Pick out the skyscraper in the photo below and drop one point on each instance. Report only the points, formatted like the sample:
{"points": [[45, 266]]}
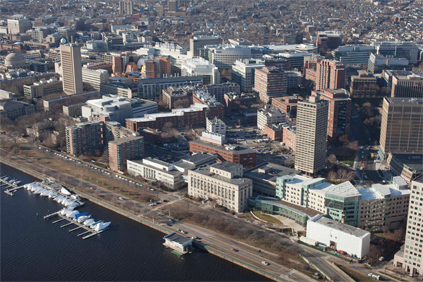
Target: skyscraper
{"points": [[410, 258], [125, 7], [70, 58], [312, 122]]}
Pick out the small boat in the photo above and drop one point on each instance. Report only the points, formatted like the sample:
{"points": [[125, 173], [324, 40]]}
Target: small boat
{"points": [[17, 183], [6, 178], [73, 205], [96, 223], [38, 191], [69, 212], [64, 211], [64, 191], [11, 181], [102, 226], [68, 202], [72, 214], [58, 198], [89, 222], [83, 218], [79, 215], [76, 197], [52, 195]]}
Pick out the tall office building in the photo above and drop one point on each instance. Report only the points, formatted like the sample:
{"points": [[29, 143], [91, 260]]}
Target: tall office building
{"points": [[243, 73], [125, 7], [407, 84], [173, 5], [410, 258], [70, 58], [312, 122], [324, 73], [270, 82], [401, 130]]}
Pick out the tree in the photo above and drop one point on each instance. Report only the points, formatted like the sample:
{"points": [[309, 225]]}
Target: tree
{"points": [[342, 174], [332, 158], [182, 103], [332, 175]]}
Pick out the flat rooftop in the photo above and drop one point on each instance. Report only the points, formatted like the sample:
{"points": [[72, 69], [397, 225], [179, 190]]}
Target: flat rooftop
{"points": [[414, 162], [174, 237], [236, 180], [126, 139], [269, 172], [404, 101], [238, 150], [298, 209], [357, 232]]}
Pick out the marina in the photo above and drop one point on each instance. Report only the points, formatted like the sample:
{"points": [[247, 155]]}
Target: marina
{"points": [[10, 185]]}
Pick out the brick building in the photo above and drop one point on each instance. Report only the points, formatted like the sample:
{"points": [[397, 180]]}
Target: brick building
{"points": [[270, 82], [124, 149]]}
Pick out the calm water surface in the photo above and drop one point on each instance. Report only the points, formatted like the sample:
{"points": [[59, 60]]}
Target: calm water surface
{"points": [[34, 249]]}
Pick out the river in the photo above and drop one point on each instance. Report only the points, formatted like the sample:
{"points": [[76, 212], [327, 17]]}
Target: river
{"points": [[34, 249]]}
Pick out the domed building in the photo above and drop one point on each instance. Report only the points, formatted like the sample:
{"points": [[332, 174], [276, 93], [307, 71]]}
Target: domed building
{"points": [[15, 60]]}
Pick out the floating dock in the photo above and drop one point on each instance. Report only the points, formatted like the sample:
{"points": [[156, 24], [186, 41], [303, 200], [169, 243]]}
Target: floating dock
{"points": [[9, 187], [88, 230]]}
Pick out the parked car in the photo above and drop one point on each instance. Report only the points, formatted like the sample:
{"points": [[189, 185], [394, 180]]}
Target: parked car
{"points": [[265, 263]]}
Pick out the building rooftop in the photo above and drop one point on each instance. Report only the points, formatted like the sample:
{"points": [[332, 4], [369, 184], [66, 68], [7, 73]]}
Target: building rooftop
{"points": [[228, 166], [232, 149], [125, 139], [269, 172], [357, 232], [235, 180], [344, 190], [295, 208], [174, 237], [405, 100]]}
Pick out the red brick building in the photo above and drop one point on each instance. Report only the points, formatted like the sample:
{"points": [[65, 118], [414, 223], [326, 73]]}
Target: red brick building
{"points": [[124, 149], [325, 74], [287, 105], [270, 82], [235, 154], [178, 118], [273, 132], [339, 112], [288, 137]]}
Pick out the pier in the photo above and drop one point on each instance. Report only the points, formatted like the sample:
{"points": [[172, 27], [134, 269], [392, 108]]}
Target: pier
{"points": [[9, 187], [89, 232]]}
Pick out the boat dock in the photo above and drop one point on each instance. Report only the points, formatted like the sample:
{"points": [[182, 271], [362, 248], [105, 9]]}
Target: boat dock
{"points": [[9, 187], [89, 232], [56, 187]]}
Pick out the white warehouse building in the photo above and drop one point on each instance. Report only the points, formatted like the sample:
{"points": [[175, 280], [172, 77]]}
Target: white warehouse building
{"points": [[342, 237]]}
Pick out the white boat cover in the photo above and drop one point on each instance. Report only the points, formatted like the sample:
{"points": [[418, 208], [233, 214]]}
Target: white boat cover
{"points": [[72, 214], [101, 226], [64, 191], [89, 222]]}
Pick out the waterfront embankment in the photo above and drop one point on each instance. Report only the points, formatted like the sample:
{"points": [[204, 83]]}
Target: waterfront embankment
{"points": [[138, 218]]}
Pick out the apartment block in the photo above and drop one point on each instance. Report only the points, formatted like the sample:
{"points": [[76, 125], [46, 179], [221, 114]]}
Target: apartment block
{"points": [[339, 112], [401, 130], [124, 149], [312, 121], [125, 7], [270, 82], [324, 73], [223, 182], [84, 138]]}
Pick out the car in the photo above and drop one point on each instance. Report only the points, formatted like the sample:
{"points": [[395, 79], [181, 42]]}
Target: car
{"points": [[235, 250], [165, 201], [265, 263], [121, 198], [168, 224]]}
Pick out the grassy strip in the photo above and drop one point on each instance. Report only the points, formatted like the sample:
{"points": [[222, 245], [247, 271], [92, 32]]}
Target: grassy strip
{"points": [[267, 218], [354, 274]]}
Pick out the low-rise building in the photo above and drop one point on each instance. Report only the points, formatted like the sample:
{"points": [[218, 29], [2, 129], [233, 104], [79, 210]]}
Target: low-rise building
{"points": [[66, 99], [287, 104], [73, 110], [223, 182], [153, 169], [178, 243], [268, 116], [14, 109], [338, 236], [123, 149], [218, 91], [171, 95], [43, 88], [408, 166], [151, 88], [216, 125], [363, 85], [235, 154], [201, 67], [289, 136]]}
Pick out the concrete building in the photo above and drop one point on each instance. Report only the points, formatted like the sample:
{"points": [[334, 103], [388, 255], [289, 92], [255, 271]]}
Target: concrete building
{"points": [[294, 79], [43, 88], [112, 107], [295, 60], [67, 99], [216, 125], [223, 182], [410, 258], [407, 84], [312, 121], [408, 166], [401, 128], [243, 73], [270, 82], [171, 95], [92, 79], [126, 7], [328, 40], [123, 149], [338, 236], [70, 58], [116, 88], [84, 138], [384, 206], [178, 243], [378, 63], [14, 109], [151, 88], [18, 25], [224, 56], [339, 112], [198, 42], [73, 110], [353, 54], [265, 176], [201, 67], [235, 154], [157, 170], [219, 90], [363, 85], [268, 116], [407, 50]]}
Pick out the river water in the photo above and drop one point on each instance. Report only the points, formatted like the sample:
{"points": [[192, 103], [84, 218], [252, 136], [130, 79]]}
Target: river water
{"points": [[34, 249]]}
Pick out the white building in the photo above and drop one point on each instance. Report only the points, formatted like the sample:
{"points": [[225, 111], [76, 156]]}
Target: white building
{"points": [[117, 108], [178, 243], [216, 125], [342, 237], [199, 66], [268, 116], [243, 73], [224, 56], [93, 78], [176, 53], [158, 170], [222, 182]]}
